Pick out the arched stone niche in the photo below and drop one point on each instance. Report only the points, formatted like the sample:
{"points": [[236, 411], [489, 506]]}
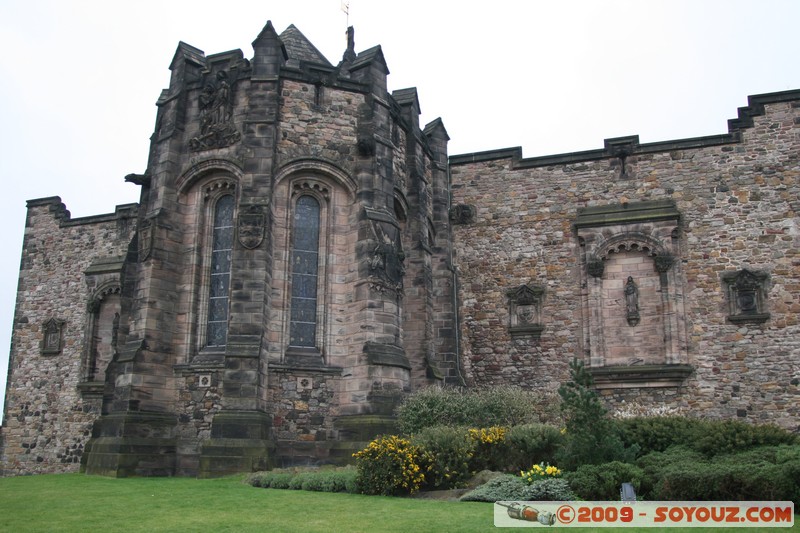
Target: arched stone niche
{"points": [[632, 294]]}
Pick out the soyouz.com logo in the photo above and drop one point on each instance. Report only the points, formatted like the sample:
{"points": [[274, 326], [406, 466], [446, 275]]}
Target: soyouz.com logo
{"points": [[643, 514]]}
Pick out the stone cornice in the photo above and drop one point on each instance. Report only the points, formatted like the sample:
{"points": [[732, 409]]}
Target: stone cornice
{"points": [[621, 377]]}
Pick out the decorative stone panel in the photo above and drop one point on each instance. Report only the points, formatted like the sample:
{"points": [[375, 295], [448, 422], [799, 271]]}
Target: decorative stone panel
{"points": [[632, 294], [525, 311], [747, 296], [462, 214], [52, 335]]}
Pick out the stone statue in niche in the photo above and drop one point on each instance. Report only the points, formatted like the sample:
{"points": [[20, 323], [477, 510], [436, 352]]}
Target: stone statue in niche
{"points": [[631, 302], [216, 116], [387, 261]]}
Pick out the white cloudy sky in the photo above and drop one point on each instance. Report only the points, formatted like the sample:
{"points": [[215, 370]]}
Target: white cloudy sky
{"points": [[79, 78]]}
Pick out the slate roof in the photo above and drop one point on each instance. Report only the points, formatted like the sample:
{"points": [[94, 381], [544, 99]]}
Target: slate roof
{"points": [[406, 96], [368, 56], [435, 123], [300, 48]]}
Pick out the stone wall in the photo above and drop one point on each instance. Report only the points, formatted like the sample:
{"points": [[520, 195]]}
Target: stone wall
{"points": [[426, 275], [48, 418], [303, 403], [737, 196]]}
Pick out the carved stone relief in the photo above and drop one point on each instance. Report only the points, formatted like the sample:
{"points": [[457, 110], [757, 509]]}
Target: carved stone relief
{"points": [[387, 261], [145, 240], [216, 115], [747, 295], [52, 336], [251, 225], [525, 311], [462, 214]]}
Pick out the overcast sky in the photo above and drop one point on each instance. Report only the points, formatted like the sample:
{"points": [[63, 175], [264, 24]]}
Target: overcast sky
{"points": [[79, 79]]}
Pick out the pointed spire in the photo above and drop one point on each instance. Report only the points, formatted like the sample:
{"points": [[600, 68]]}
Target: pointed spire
{"points": [[269, 53], [300, 49]]}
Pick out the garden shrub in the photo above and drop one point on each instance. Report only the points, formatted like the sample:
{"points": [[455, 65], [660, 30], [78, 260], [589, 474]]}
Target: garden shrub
{"points": [[325, 479], [778, 472], [763, 473], [331, 480], [280, 480], [497, 406], [728, 436], [725, 482], [591, 437], [550, 490], [508, 487], [532, 443], [657, 433], [271, 479], [449, 453], [711, 437], [505, 487], [655, 464], [390, 465], [491, 448], [603, 482], [297, 481], [256, 479]]}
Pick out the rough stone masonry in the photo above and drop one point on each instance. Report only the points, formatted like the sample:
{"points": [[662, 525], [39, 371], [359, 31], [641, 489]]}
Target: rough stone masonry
{"points": [[305, 254]]}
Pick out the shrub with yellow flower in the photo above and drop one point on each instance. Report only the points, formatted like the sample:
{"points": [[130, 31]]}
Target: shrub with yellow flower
{"points": [[491, 448], [390, 465], [541, 471]]}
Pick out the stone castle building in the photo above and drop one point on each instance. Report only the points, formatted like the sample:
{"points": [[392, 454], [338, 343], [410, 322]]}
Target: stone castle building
{"points": [[305, 253]]}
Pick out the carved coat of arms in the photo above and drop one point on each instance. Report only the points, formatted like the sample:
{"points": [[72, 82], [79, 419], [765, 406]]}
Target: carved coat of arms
{"points": [[252, 221], [145, 240]]}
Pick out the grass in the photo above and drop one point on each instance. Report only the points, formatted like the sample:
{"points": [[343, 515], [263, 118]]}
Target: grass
{"points": [[74, 502]]}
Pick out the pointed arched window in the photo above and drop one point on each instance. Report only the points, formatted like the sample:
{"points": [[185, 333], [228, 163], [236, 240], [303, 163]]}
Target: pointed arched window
{"points": [[220, 275], [305, 266]]}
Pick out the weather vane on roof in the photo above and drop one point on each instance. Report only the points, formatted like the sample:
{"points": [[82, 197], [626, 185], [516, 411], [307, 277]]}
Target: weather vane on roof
{"points": [[346, 9]]}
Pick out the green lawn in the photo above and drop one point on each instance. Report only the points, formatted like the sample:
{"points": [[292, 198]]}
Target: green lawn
{"points": [[74, 502]]}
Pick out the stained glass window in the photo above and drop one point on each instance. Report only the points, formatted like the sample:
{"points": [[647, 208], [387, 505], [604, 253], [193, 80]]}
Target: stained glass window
{"points": [[305, 264], [221, 245]]}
